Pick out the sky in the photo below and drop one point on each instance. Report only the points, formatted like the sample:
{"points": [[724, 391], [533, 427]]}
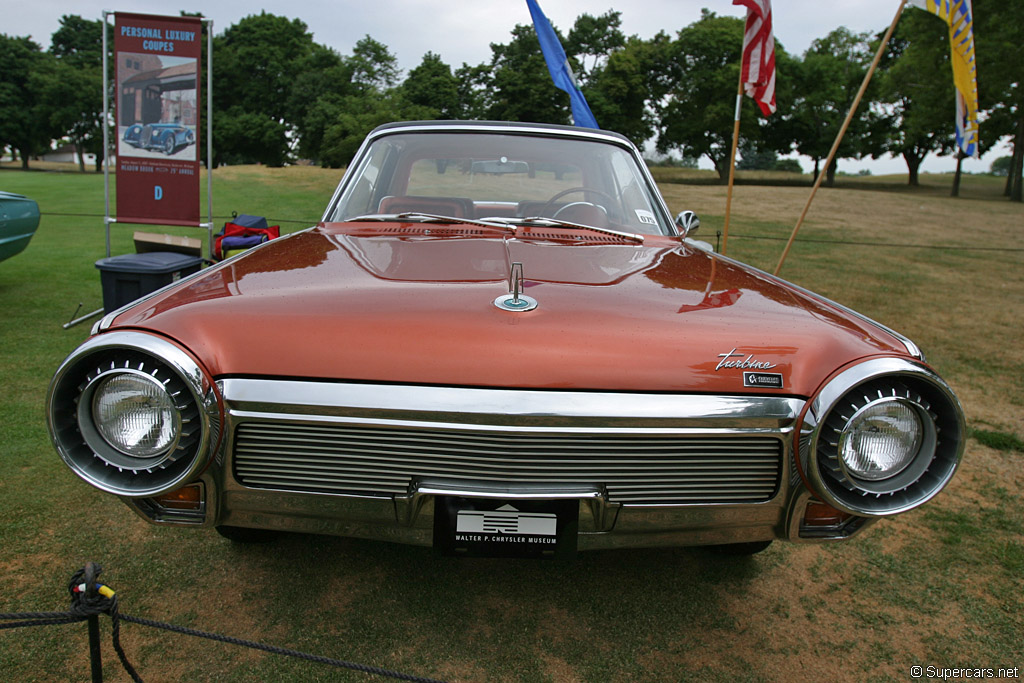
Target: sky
{"points": [[461, 31]]}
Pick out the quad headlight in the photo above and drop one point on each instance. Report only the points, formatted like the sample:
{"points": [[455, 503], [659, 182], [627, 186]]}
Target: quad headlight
{"points": [[133, 414], [882, 438]]}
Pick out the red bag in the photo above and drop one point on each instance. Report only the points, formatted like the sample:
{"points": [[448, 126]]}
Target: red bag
{"points": [[235, 236]]}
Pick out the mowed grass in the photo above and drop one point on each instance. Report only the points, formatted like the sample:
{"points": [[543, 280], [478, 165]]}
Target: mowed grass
{"points": [[940, 586]]}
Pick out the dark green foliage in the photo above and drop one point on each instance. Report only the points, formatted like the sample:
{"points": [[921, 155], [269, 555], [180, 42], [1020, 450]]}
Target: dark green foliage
{"points": [[1001, 166], [696, 100], [24, 71], [432, 85], [916, 91], [521, 88], [826, 82]]}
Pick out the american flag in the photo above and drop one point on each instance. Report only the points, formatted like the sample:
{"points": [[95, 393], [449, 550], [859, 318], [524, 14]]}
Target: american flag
{"points": [[759, 54]]}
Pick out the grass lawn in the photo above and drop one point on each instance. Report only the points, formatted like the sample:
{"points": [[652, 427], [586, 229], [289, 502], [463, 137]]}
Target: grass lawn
{"points": [[939, 586]]}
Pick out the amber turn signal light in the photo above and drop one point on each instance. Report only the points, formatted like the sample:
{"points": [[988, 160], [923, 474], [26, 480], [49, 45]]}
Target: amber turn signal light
{"points": [[818, 514], [186, 498]]}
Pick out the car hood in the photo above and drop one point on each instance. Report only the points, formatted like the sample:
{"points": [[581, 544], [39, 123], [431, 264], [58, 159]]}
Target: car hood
{"points": [[414, 303]]}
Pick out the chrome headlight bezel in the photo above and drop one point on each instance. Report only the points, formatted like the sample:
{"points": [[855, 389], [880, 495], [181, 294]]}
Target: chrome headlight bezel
{"points": [[105, 465], [847, 396]]}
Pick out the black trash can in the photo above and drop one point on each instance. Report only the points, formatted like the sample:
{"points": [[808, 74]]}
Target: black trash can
{"points": [[128, 277]]}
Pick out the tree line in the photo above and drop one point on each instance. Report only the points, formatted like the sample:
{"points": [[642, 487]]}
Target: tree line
{"points": [[279, 96]]}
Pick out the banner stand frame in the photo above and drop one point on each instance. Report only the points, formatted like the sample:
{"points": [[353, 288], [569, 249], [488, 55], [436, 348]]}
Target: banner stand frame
{"points": [[109, 220]]}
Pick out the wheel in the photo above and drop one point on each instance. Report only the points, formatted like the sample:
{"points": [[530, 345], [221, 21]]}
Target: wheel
{"points": [[241, 534], [169, 146], [551, 202], [739, 549]]}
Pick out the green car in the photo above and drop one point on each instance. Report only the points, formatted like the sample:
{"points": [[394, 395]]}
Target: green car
{"points": [[19, 218]]}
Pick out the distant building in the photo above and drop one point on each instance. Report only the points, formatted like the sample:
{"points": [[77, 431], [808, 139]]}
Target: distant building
{"points": [[157, 94], [65, 153]]}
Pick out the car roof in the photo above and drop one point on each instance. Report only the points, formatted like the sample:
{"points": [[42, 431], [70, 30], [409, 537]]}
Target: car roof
{"points": [[501, 127]]}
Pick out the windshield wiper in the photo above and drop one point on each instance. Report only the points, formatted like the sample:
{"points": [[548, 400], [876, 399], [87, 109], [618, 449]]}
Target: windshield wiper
{"points": [[417, 217], [555, 223]]}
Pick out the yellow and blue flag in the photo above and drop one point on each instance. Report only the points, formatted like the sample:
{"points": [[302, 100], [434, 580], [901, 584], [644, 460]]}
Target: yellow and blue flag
{"points": [[558, 67], [959, 15]]}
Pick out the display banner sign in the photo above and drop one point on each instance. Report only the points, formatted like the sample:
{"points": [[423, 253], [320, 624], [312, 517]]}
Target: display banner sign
{"points": [[157, 113]]}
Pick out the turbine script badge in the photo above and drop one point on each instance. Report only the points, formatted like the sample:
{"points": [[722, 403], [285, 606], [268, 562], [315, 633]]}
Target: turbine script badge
{"points": [[515, 300], [748, 363]]}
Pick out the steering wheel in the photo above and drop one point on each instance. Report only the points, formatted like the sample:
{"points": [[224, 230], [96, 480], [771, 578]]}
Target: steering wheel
{"points": [[559, 195]]}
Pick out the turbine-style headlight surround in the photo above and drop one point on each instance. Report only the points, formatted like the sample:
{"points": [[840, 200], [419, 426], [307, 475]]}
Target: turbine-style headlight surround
{"points": [[133, 414], [882, 437]]}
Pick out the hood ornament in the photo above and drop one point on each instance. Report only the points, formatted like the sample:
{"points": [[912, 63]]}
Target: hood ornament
{"points": [[515, 300]]}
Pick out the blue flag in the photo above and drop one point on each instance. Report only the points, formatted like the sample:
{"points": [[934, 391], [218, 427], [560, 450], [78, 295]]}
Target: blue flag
{"points": [[558, 65]]}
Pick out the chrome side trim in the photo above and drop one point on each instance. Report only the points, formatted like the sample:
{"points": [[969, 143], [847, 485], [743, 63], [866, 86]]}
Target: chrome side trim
{"points": [[453, 406]]}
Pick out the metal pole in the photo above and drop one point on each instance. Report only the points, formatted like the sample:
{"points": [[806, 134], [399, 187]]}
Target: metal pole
{"points": [[209, 139], [95, 653], [71, 323], [732, 159], [106, 138], [842, 132]]}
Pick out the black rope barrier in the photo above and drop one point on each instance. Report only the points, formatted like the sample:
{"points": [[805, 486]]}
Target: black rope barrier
{"points": [[90, 598]]}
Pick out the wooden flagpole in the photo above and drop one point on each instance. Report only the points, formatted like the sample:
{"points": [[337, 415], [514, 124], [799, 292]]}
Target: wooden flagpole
{"points": [[732, 159], [842, 132]]}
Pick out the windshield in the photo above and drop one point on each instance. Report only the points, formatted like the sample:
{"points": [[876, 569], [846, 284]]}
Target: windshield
{"points": [[474, 176]]}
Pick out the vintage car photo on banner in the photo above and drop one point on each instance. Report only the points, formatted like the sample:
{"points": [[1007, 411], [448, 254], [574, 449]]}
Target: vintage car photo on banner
{"points": [[157, 113], [498, 341]]}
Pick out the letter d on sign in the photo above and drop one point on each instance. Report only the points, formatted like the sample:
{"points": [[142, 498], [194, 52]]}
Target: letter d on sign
{"points": [[158, 192]]}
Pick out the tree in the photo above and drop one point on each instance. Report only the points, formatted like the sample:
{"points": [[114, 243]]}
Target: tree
{"points": [[755, 158], [474, 91], [373, 66], [826, 83], [359, 115], [1001, 166], [696, 114], [24, 123], [915, 95], [256, 63], [433, 86], [521, 87], [1000, 55], [73, 91], [621, 91], [316, 97], [594, 37]]}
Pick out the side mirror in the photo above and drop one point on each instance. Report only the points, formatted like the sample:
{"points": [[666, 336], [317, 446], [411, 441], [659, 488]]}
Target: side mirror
{"points": [[687, 222]]}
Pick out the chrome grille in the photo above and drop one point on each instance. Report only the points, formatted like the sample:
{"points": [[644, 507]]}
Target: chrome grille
{"points": [[634, 468]]}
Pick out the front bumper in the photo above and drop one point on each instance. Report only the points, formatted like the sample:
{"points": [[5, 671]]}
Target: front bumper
{"points": [[369, 461]]}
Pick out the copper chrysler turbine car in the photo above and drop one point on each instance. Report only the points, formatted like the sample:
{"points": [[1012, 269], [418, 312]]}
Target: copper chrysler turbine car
{"points": [[497, 341]]}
